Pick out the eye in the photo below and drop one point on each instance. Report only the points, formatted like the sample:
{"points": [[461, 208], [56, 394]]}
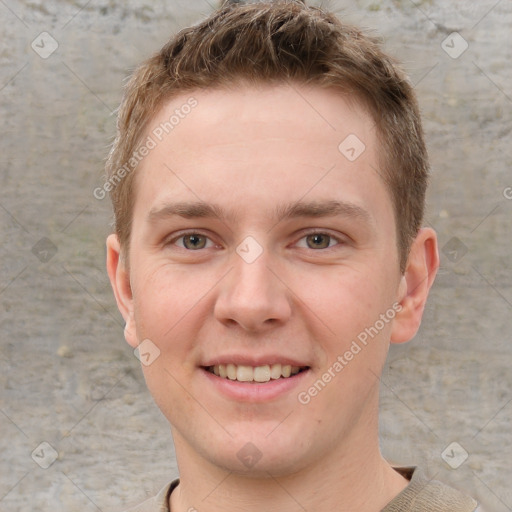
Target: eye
{"points": [[193, 241], [318, 240]]}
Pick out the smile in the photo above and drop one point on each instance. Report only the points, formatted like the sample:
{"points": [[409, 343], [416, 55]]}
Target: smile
{"points": [[260, 374]]}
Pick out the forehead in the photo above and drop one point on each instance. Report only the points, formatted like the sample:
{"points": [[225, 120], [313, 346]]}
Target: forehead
{"points": [[259, 144], [243, 110]]}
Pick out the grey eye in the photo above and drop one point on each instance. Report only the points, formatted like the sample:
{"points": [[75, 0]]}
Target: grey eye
{"points": [[318, 241], [194, 241]]}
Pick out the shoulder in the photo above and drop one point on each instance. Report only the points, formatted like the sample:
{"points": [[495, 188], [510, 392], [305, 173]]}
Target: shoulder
{"points": [[158, 503], [424, 494]]}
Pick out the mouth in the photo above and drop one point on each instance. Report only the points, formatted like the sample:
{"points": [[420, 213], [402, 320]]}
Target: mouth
{"points": [[255, 374]]}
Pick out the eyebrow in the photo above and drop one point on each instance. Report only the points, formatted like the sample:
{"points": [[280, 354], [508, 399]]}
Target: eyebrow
{"points": [[200, 209]]}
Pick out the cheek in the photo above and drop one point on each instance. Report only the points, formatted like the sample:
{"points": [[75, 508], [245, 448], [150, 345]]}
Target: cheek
{"points": [[347, 301], [165, 385], [354, 349], [350, 311], [166, 297], [167, 307]]}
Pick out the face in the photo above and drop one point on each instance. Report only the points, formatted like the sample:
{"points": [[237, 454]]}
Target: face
{"points": [[262, 251]]}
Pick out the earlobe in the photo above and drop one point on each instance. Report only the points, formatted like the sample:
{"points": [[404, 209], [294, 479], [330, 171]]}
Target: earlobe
{"points": [[120, 281], [130, 333], [421, 269]]}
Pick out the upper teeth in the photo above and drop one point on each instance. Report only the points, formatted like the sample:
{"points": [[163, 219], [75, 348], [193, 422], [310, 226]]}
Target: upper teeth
{"points": [[263, 373]]}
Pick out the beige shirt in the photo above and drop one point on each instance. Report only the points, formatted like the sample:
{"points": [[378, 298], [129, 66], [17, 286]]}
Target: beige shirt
{"points": [[421, 495]]}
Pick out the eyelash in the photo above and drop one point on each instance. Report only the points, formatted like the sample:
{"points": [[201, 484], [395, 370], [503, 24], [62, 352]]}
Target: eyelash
{"points": [[309, 233]]}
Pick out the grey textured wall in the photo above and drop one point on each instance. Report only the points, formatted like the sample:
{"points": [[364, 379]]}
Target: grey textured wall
{"points": [[67, 378]]}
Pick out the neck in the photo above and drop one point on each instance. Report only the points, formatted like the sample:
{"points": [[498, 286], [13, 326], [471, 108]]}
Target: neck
{"points": [[352, 476]]}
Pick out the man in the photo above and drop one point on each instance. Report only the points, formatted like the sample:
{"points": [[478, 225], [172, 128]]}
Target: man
{"points": [[268, 183]]}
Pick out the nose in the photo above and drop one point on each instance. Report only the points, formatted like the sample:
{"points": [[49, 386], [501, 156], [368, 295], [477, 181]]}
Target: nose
{"points": [[253, 296]]}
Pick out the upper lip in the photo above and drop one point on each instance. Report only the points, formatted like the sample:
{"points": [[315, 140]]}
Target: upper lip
{"points": [[246, 360]]}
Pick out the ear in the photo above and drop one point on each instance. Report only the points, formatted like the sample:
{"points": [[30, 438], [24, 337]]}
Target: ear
{"points": [[421, 269], [120, 281]]}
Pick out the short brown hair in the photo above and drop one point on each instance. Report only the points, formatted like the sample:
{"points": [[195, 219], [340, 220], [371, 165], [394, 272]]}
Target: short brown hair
{"points": [[280, 42]]}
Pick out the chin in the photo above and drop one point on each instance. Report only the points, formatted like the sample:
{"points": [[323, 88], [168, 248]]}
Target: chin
{"points": [[264, 456]]}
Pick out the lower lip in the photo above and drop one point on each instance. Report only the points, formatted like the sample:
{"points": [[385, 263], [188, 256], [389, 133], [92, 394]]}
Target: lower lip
{"points": [[255, 391]]}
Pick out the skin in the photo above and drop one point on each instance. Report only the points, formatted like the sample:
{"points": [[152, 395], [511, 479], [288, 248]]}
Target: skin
{"points": [[250, 150]]}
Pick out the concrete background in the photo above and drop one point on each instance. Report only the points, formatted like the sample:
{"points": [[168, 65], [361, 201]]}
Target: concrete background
{"points": [[67, 377]]}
